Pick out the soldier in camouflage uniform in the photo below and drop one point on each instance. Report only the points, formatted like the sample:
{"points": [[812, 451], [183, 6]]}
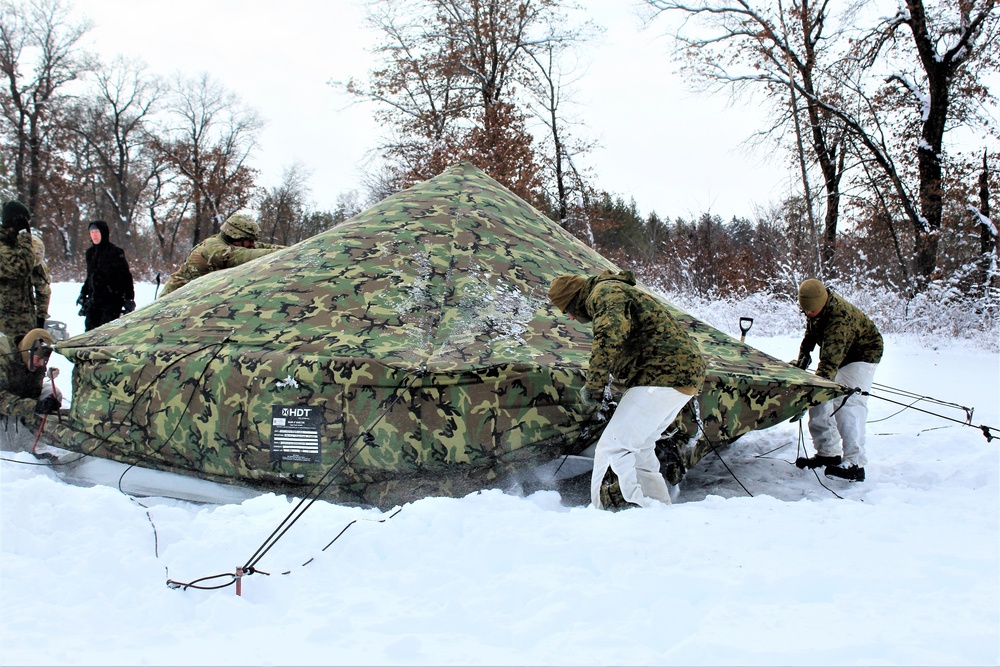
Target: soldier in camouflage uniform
{"points": [[850, 348], [235, 244], [26, 391], [637, 345], [17, 262], [41, 282]]}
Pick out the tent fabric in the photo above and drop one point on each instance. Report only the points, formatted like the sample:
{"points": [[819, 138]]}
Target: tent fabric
{"points": [[409, 351]]}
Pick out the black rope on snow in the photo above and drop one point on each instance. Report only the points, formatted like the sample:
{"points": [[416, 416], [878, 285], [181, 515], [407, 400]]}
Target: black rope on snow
{"points": [[733, 474], [149, 517], [894, 414], [299, 510], [696, 411], [308, 499], [920, 397], [801, 449], [344, 530], [767, 454], [194, 584], [987, 430]]}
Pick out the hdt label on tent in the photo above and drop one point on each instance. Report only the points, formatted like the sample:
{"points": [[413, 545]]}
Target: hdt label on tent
{"points": [[295, 434]]}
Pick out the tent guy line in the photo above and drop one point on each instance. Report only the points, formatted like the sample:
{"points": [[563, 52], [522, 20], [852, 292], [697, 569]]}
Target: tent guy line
{"points": [[986, 430], [316, 492]]}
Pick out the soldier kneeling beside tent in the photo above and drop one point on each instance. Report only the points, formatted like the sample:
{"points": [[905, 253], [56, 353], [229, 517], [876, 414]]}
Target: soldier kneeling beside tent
{"points": [[27, 391]]}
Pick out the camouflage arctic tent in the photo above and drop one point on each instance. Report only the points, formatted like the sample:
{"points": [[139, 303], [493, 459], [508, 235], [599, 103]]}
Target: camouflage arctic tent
{"points": [[412, 348]]}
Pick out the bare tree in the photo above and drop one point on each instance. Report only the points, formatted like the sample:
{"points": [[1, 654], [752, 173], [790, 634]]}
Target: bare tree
{"points": [[886, 119], [116, 126], [989, 239], [566, 184], [785, 50], [452, 84], [209, 143], [37, 36], [283, 208], [939, 58]]}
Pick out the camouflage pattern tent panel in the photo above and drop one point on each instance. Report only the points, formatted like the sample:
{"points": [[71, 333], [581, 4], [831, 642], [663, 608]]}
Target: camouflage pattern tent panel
{"points": [[412, 348]]}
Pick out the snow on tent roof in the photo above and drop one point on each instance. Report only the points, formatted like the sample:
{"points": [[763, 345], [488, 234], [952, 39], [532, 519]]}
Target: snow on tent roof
{"points": [[412, 348]]}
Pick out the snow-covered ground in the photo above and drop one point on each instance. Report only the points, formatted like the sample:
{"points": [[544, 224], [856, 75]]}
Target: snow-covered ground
{"points": [[903, 569]]}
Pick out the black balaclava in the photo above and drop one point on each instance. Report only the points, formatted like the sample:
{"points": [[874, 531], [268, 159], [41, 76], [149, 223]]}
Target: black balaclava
{"points": [[102, 227]]}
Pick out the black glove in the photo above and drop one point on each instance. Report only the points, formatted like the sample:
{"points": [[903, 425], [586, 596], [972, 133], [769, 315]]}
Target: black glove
{"points": [[802, 362], [39, 322], [128, 307], [84, 302], [48, 405]]}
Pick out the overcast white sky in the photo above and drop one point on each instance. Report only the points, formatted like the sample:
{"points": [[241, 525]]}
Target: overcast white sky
{"points": [[675, 153]]}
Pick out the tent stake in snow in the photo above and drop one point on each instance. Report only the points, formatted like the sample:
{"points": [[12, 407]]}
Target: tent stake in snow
{"points": [[745, 324]]}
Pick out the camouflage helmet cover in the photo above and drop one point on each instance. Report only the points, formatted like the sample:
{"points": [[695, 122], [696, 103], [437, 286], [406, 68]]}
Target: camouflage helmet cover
{"points": [[240, 227]]}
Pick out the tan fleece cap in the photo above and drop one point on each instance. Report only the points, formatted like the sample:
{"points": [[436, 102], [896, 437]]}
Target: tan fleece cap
{"points": [[812, 295], [564, 289]]}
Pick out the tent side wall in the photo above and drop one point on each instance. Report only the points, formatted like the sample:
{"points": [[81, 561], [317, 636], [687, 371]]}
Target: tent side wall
{"points": [[391, 434]]}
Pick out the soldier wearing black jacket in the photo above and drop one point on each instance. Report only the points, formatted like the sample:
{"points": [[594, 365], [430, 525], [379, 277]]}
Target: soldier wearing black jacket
{"points": [[108, 291]]}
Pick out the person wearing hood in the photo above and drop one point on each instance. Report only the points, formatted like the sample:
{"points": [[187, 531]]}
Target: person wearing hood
{"points": [[850, 349], [26, 387], [18, 312], [638, 346], [235, 244], [108, 292]]}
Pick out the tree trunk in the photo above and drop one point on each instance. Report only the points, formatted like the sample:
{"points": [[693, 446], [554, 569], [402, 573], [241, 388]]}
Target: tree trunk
{"points": [[939, 72], [989, 240]]}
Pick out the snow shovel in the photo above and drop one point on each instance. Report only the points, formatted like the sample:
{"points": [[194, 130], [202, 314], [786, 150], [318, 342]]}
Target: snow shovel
{"points": [[745, 324]]}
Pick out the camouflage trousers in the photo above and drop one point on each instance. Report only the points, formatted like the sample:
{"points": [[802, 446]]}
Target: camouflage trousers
{"points": [[626, 470]]}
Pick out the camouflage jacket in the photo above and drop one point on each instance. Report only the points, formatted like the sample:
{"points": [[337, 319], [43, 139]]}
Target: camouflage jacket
{"points": [[41, 282], [17, 301], [844, 335], [213, 254], [19, 387], [636, 340]]}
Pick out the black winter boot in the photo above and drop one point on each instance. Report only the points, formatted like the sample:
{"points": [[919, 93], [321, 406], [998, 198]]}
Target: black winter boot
{"points": [[850, 473], [817, 461]]}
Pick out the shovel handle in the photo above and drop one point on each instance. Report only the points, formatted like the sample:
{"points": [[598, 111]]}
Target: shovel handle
{"points": [[745, 324]]}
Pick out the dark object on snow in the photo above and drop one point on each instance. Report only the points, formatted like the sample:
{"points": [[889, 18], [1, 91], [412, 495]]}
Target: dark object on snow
{"points": [[817, 461], [850, 473]]}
